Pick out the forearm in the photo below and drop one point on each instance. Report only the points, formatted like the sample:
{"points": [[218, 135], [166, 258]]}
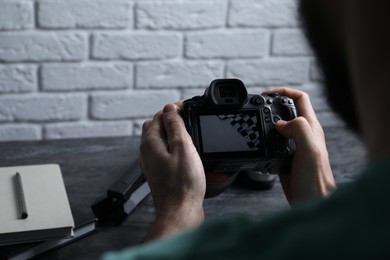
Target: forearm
{"points": [[172, 220], [325, 182]]}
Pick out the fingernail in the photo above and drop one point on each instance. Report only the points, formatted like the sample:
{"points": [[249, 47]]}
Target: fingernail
{"points": [[281, 123], [170, 108]]}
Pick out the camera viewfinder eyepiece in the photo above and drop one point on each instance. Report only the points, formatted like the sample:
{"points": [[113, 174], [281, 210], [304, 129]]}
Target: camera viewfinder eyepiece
{"points": [[227, 93]]}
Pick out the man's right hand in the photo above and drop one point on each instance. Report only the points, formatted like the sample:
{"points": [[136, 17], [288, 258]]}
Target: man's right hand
{"points": [[311, 174]]}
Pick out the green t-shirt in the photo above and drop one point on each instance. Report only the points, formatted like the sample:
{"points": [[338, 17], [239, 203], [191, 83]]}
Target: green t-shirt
{"points": [[353, 223]]}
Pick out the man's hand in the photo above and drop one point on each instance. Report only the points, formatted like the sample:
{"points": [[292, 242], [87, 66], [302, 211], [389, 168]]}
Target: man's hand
{"points": [[174, 171], [311, 175]]}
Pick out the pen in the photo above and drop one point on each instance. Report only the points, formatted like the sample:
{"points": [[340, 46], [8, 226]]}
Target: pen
{"points": [[21, 198]]}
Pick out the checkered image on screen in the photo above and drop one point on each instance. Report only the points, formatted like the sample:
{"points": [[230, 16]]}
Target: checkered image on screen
{"points": [[230, 132]]}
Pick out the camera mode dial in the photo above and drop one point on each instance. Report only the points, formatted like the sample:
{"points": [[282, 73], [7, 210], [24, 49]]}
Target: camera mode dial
{"points": [[257, 100]]}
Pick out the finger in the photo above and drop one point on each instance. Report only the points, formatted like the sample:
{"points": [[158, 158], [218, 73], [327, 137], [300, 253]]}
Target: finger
{"points": [[177, 136], [153, 136], [179, 103], [141, 162], [159, 113], [146, 125], [297, 129], [301, 100]]}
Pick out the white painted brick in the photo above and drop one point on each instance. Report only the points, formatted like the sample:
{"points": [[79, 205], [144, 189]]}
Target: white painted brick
{"points": [[269, 72], [288, 42], [266, 13], [138, 126], [257, 89], [130, 104], [19, 132], [137, 45], [88, 129], [43, 107], [84, 14], [16, 15], [227, 44], [189, 93], [18, 78], [87, 76], [177, 74], [181, 15], [42, 46]]}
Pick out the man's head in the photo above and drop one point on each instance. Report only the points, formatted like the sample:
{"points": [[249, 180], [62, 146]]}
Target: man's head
{"points": [[351, 40], [323, 25]]}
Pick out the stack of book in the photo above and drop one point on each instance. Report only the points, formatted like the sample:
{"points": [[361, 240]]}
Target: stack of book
{"points": [[35, 213]]}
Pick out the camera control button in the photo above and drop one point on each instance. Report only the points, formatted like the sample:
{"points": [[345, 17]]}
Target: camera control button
{"points": [[276, 119], [267, 119], [282, 152], [269, 101], [257, 100], [290, 101], [267, 110], [285, 151]]}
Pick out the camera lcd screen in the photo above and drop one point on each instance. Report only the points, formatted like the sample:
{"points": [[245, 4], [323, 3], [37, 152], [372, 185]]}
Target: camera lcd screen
{"points": [[234, 132]]}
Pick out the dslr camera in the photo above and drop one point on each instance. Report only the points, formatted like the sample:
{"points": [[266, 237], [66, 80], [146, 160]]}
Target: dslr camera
{"points": [[235, 131]]}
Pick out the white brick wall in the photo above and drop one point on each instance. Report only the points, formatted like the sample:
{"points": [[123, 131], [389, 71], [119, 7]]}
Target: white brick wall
{"points": [[268, 71], [42, 107], [15, 15], [177, 74], [136, 45], [18, 78], [84, 76], [226, 44], [181, 15], [41, 46], [88, 68], [114, 14]]}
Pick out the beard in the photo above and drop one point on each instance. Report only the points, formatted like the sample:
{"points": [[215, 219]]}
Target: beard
{"points": [[324, 36]]}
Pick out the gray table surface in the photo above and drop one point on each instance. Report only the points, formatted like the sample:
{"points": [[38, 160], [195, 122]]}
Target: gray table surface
{"points": [[89, 166]]}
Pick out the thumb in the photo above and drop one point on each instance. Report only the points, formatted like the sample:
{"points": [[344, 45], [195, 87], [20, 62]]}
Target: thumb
{"points": [[177, 136], [297, 129]]}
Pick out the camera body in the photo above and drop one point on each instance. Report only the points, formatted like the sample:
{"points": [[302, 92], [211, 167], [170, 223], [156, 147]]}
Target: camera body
{"points": [[234, 131]]}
